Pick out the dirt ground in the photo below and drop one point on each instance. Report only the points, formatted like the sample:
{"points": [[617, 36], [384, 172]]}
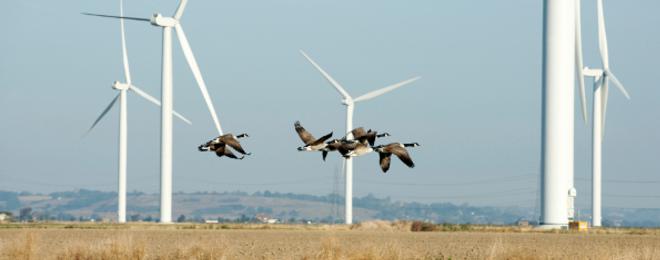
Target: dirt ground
{"points": [[330, 243]]}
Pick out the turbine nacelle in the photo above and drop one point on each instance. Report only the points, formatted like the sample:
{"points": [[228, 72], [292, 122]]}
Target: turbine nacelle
{"points": [[589, 72], [120, 86], [162, 21], [347, 102]]}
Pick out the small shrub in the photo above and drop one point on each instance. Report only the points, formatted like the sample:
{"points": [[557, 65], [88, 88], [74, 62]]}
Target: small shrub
{"points": [[418, 226], [465, 227]]}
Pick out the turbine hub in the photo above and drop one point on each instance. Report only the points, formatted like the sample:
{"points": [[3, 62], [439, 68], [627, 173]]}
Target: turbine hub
{"points": [[120, 86], [160, 20], [589, 72], [347, 102]]}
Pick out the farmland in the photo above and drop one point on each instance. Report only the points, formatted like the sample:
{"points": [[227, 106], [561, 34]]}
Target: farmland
{"points": [[370, 240]]}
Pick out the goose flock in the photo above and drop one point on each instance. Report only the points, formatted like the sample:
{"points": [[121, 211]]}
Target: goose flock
{"points": [[356, 143]]}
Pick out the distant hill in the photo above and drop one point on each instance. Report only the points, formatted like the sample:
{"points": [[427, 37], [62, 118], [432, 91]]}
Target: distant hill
{"points": [[287, 207]]}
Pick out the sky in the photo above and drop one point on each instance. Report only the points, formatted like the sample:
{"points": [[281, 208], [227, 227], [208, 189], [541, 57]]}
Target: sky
{"points": [[476, 111]]}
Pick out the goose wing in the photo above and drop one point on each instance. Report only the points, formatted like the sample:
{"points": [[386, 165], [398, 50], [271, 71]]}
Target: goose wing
{"points": [[305, 136], [346, 147], [321, 140], [215, 140], [222, 150], [233, 142], [385, 159], [371, 137], [403, 155], [333, 146], [358, 133]]}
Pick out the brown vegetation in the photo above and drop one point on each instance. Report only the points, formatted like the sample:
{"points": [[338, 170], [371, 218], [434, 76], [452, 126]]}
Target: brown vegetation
{"points": [[422, 226], [367, 240]]}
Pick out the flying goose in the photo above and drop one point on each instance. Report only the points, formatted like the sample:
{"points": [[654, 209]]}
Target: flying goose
{"points": [[366, 136], [311, 143], [232, 141], [398, 149], [354, 148], [220, 150], [220, 143]]}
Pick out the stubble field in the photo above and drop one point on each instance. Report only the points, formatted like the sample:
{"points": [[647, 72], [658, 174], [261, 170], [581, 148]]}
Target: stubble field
{"points": [[195, 241]]}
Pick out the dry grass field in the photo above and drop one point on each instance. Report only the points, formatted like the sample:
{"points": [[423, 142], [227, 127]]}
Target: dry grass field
{"points": [[375, 240]]}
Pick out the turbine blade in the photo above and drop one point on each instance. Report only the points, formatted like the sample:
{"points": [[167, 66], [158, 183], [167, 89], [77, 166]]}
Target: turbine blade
{"points": [[180, 116], [119, 17], [384, 90], [579, 61], [180, 9], [617, 83], [152, 99], [105, 111], [124, 52], [192, 63], [602, 36], [604, 94], [327, 76]]}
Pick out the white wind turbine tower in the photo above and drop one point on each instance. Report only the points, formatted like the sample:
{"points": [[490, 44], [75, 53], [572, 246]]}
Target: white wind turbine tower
{"points": [[558, 111], [572, 193], [167, 23], [123, 120], [602, 78], [349, 102]]}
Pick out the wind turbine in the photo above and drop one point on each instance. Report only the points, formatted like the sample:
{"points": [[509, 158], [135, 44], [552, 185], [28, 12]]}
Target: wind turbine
{"points": [[167, 23], [579, 63], [349, 102], [558, 113], [602, 77], [123, 120]]}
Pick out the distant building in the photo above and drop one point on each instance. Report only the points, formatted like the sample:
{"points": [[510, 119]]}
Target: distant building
{"points": [[211, 221], [522, 223], [266, 219], [5, 217]]}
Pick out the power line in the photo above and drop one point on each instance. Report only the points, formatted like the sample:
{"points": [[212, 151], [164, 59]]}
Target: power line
{"points": [[624, 181], [301, 181], [39, 183], [633, 196], [515, 192], [525, 177]]}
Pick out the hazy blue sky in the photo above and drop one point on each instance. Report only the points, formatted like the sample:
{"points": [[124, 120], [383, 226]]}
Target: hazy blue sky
{"points": [[476, 111]]}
